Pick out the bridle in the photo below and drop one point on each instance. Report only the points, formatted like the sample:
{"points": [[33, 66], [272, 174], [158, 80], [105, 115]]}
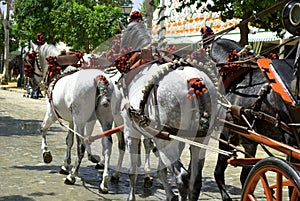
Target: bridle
{"points": [[31, 59]]}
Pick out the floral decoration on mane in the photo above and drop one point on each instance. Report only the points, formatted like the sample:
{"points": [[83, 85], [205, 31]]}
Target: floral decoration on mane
{"points": [[135, 16]]}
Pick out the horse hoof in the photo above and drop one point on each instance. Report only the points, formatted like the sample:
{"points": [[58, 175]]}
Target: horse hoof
{"points": [[64, 171], [99, 166], [103, 190], [114, 178], [94, 158], [148, 182], [175, 198], [70, 181], [47, 157], [155, 151]]}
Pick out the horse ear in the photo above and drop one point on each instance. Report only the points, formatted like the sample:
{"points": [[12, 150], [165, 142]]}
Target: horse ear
{"points": [[121, 26], [32, 45]]}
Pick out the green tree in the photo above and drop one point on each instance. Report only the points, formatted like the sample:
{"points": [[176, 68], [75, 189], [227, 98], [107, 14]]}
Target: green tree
{"points": [[83, 27], [82, 24], [243, 10], [32, 17], [5, 19]]}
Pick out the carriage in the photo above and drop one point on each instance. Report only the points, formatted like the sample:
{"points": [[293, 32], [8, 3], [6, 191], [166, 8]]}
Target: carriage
{"points": [[271, 178]]}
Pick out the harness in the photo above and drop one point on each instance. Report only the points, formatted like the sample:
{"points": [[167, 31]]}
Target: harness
{"points": [[56, 64], [29, 64], [171, 63]]}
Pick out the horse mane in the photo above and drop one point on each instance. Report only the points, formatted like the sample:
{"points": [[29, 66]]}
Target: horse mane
{"points": [[135, 36], [220, 48], [49, 49]]}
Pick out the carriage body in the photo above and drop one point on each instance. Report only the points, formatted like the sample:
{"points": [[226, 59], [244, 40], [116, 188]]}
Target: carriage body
{"points": [[274, 178]]}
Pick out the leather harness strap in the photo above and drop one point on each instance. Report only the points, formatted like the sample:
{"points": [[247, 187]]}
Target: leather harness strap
{"points": [[237, 112]]}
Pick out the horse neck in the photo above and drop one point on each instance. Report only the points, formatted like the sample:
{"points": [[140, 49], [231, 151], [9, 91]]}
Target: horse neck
{"points": [[136, 36], [45, 51]]}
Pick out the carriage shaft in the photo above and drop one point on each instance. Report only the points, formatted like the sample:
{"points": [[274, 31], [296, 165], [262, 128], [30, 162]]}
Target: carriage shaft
{"points": [[279, 146]]}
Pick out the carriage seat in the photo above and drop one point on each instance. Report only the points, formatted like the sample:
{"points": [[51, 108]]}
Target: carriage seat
{"points": [[279, 73]]}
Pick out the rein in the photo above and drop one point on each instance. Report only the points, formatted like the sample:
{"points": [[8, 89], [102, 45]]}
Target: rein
{"points": [[57, 116]]}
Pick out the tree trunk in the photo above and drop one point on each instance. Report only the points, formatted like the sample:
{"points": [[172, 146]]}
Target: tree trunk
{"points": [[5, 22], [149, 9], [162, 28], [6, 76], [244, 30]]}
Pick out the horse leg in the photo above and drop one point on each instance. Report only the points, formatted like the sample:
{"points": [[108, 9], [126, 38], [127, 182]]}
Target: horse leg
{"points": [[251, 148], [220, 169], [121, 146], [132, 144], [64, 169], [48, 121], [162, 175], [182, 179], [148, 145], [71, 178], [195, 169], [106, 152], [89, 127]]}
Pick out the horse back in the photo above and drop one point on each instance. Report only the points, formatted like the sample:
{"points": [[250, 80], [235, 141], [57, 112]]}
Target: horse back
{"points": [[75, 94]]}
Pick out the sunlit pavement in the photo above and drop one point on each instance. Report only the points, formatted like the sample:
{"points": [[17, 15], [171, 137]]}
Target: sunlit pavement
{"points": [[25, 177]]}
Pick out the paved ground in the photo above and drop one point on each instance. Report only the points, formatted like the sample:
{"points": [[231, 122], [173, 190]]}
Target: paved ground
{"points": [[25, 177]]}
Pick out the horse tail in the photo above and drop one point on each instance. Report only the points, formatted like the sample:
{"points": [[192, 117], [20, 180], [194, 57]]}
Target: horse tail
{"points": [[102, 92]]}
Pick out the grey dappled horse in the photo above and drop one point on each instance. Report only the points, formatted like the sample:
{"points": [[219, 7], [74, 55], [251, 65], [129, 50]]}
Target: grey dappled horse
{"points": [[245, 91], [79, 99], [168, 107]]}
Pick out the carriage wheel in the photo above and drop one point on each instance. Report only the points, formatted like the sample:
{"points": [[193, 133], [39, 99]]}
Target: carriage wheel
{"points": [[272, 179]]}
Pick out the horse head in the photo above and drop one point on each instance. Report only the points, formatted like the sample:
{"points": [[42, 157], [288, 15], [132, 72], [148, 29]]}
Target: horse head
{"points": [[35, 65], [220, 47]]}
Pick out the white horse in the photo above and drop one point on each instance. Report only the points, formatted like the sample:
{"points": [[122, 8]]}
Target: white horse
{"points": [[100, 61], [157, 97], [79, 100]]}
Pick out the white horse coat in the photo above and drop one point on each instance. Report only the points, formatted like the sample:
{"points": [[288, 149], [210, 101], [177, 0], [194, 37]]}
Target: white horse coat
{"points": [[176, 110], [75, 100], [168, 107]]}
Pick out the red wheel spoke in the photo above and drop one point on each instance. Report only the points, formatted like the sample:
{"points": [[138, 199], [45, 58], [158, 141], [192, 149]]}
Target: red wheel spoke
{"points": [[266, 187], [278, 180], [279, 186], [295, 195], [251, 197]]}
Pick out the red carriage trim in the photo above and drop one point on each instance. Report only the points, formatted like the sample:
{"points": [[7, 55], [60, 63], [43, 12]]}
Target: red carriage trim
{"points": [[57, 63], [275, 81], [197, 87]]}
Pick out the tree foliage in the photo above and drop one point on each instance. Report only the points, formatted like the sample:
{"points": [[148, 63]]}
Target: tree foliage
{"points": [[32, 17], [83, 24], [243, 9]]}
